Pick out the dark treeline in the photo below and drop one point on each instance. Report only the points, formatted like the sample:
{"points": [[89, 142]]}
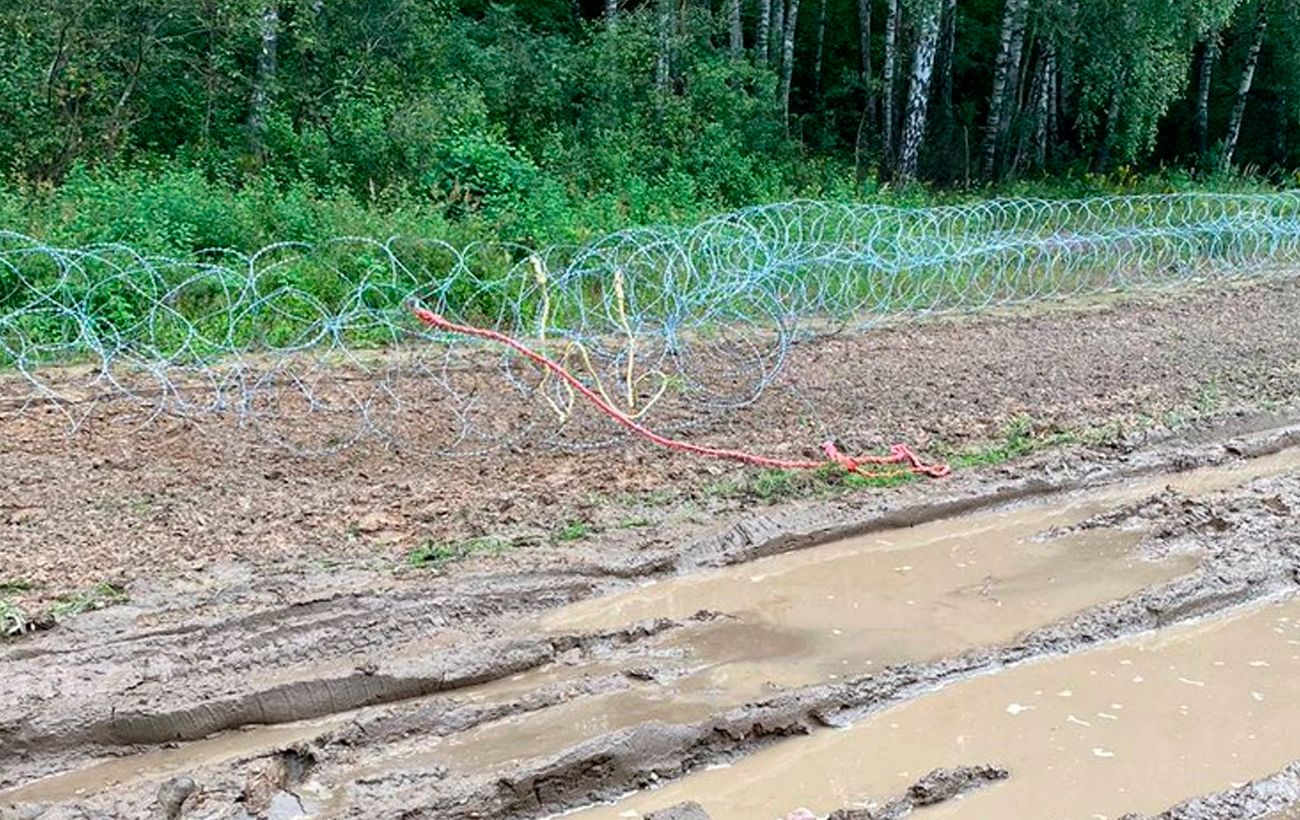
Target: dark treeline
{"points": [[555, 117]]}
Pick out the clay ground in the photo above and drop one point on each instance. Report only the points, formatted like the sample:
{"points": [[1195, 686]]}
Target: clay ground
{"points": [[265, 589]]}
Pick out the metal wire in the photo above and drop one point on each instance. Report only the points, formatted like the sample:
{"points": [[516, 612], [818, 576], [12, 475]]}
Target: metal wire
{"points": [[314, 347]]}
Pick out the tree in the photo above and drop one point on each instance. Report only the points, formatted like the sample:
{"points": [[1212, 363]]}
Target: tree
{"points": [[1006, 70], [735, 28], [663, 54], [787, 59], [1206, 51], [761, 34], [777, 45], [821, 47], [263, 80], [918, 88], [889, 84], [1243, 87], [864, 50]]}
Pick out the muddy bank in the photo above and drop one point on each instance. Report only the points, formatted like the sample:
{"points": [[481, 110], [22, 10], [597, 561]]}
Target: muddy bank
{"points": [[166, 669], [1276, 797], [474, 643]]}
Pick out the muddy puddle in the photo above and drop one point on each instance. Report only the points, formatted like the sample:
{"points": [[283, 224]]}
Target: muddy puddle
{"points": [[163, 762], [843, 610], [847, 609], [1135, 726]]}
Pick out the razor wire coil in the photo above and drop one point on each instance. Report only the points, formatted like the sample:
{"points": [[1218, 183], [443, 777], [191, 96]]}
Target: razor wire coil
{"points": [[313, 345]]}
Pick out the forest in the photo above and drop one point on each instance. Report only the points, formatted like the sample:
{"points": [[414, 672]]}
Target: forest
{"points": [[176, 125]]}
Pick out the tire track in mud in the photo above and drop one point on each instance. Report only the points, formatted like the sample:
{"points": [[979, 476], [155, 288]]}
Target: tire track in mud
{"points": [[606, 765]]}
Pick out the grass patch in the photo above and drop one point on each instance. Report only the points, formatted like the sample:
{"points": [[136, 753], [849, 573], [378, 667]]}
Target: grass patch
{"points": [[573, 531], [635, 522], [434, 554], [772, 486], [1019, 439], [99, 596], [14, 620]]}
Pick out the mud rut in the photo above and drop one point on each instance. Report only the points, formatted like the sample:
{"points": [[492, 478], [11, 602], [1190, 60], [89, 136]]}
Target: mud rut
{"points": [[937, 627]]}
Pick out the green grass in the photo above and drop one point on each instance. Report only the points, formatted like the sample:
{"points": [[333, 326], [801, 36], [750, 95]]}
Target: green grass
{"points": [[434, 554], [772, 486], [573, 531], [99, 596], [1018, 439], [635, 522], [14, 620]]}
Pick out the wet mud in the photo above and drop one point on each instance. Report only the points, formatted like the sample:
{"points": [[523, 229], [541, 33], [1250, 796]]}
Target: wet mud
{"points": [[957, 611]]}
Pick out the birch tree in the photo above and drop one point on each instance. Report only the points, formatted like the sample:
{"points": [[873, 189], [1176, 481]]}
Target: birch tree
{"points": [[778, 33], [1207, 51], [735, 28], [889, 83], [787, 59], [1243, 87], [263, 80], [918, 88], [1006, 70]]}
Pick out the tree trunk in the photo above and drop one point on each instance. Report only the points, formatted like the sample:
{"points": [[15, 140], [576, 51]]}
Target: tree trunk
{"points": [[761, 39], [889, 81], [821, 47], [787, 59], [663, 58], [918, 90], [778, 33], [1045, 108], [1031, 147], [1207, 51], [1243, 88], [611, 12], [1005, 69], [947, 47], [263, 81], [1112, 125], [864, 46], [736, 30]]}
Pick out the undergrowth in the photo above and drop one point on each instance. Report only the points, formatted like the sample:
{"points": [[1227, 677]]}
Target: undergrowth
{"points": [[16, 620], [1020, 438], [434, 554]]}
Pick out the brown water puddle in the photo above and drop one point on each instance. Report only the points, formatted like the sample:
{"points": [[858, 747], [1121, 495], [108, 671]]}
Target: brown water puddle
{"points": [[908, 595], [845, 609], [248, 742], [1136, 726], [840, 610], [164, 762]]}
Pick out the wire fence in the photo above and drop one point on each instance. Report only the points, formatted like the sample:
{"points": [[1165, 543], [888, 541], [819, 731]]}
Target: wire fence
{"points": [[315, 348]]}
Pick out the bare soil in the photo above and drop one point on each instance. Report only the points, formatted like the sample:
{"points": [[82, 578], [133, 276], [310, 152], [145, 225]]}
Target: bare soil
{"points": [[278, 658]]}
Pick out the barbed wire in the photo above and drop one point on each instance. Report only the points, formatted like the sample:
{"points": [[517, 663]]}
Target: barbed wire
{"points": [[314, 347]]}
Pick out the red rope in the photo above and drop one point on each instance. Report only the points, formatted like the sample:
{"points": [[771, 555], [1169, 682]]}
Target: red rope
{"points": [[899, 454]]}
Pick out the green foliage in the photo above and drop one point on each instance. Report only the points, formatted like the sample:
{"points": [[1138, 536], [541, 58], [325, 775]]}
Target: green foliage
{"points": [[92, 598], [1020, 438], [573, 531], [14, 620], [535, 122], [434, 554]]}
